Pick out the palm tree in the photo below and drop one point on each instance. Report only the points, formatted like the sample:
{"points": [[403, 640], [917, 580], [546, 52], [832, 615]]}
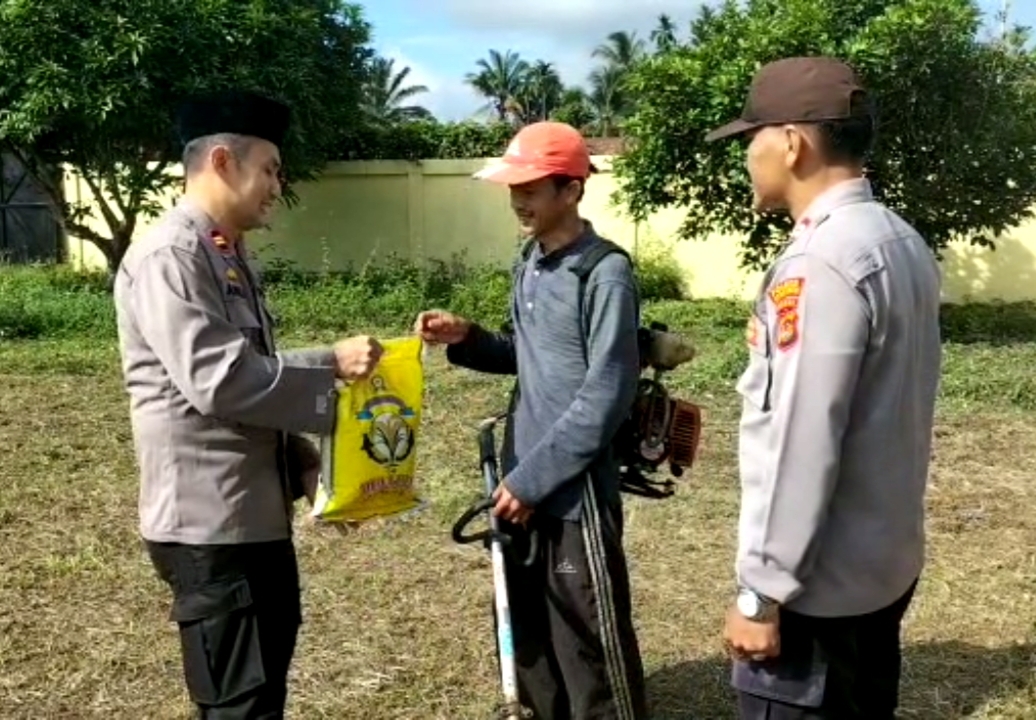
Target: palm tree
{"points": [[606, 100], [385, 94], [500, 79], [541, 92], [622, 50], [664, 34], [609, 100]]}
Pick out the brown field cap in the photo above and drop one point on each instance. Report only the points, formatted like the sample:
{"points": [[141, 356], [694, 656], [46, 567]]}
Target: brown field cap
{"points": [[795, 90]]}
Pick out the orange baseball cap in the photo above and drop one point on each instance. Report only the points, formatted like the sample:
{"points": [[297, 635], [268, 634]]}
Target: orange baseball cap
{"points": [[540, 150]]}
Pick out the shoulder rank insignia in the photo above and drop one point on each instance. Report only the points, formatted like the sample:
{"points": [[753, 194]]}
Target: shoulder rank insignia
{"points": [[222, 244]]}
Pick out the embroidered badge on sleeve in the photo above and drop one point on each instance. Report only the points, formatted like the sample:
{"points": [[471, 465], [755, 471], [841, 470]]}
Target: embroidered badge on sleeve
{"points": [[785, 297]]}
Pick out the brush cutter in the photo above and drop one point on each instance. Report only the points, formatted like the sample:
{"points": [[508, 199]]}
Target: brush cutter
{"points": [[497, 542]]}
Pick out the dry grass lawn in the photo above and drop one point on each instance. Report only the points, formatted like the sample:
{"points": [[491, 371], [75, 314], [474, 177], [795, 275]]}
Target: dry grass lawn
{"points": [[397, 617]]}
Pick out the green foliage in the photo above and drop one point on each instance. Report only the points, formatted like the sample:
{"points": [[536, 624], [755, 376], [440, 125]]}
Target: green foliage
{"points": [[995, 323], [989, 348], [956, 153], [386, 295], [659, 275], [58, 302], [576, 110], [425, 139], [53, 302], [95, 84]]}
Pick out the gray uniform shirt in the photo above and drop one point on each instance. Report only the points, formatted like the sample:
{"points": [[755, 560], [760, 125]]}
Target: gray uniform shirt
{"points": [[210, 400], [839, 399], [570, 404]]}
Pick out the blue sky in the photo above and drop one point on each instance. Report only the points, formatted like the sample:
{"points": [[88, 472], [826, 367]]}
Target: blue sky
{"points": [[441, 41]]}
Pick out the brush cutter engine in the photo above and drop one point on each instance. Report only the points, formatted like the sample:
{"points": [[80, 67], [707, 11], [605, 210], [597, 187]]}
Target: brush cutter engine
{"points": [[661, 429]]}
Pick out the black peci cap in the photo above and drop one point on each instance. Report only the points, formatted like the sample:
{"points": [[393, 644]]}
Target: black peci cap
{"points": [[233, 111]]}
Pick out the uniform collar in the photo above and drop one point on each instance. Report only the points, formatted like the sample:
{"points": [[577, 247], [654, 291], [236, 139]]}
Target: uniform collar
{"points": [[848, 192], [198, 217], [208, 229]]}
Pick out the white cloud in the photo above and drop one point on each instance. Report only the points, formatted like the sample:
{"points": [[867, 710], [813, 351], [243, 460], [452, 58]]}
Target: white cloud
{"points": [[448, 98], [571, 22]]}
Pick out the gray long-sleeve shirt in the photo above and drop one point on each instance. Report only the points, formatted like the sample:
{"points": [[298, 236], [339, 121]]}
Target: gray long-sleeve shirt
{"points": [[839, 400], [212, 403], [569, 405]]}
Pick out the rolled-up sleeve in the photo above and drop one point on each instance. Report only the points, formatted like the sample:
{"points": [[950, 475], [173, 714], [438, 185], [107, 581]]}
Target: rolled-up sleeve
{"points": [[818, 325], [210, 361]]}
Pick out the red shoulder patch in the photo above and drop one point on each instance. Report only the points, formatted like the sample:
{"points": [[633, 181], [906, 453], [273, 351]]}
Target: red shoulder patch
{"points": [[785, 297]]}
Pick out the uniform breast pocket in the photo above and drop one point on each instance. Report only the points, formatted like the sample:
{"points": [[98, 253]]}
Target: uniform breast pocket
{"points": [[754, 385]]}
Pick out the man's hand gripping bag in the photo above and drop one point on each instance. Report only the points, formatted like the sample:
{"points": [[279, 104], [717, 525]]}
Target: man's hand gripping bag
{"points": [[369, 459]]}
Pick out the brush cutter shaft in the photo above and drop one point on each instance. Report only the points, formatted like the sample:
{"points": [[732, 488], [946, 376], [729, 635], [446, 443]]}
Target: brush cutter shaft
{"points": [[504, 635], [496, 541]]}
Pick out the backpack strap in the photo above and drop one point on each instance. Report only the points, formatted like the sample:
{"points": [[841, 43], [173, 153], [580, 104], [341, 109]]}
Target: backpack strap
{"points": [[582, 270], [516, 273]]}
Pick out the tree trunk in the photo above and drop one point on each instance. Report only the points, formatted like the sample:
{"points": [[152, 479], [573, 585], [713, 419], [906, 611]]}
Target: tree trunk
{"points": [[120, 244]]}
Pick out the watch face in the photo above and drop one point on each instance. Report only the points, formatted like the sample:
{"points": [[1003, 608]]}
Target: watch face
{"points": [[748, 604]]}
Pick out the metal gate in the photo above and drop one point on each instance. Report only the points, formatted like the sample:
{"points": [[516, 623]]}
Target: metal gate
{"points": [[29, 228]]}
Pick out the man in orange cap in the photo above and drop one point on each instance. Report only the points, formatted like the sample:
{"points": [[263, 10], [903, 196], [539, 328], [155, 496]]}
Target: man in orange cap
{"points": [[574, 349]]}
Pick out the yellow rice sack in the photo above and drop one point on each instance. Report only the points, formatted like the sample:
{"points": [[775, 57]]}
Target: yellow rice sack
{"points": [[369, 459]]}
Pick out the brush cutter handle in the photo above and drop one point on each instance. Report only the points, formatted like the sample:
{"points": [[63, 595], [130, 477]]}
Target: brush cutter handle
{"points": [[493, 533], [464, 520]]}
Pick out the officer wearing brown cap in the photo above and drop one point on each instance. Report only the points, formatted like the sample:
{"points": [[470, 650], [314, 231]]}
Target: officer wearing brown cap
{"points": [[838, 403], [217, 411]]}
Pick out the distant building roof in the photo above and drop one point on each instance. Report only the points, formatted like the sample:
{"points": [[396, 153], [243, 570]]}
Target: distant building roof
{"points": [[606, 146]]}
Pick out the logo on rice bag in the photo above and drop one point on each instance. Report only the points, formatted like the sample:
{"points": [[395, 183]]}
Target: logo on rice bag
{"points": [[389, 436]]}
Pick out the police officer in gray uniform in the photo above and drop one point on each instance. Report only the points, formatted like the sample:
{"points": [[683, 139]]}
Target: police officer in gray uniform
{"points": [[217, 411], [839, 399]]}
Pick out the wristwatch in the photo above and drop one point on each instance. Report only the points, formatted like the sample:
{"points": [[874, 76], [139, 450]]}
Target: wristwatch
{"points": [[755, 606]]}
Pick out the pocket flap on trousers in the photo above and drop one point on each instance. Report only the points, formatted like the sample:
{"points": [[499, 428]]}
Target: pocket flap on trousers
{"points": [[212, 600], [800, 682]]}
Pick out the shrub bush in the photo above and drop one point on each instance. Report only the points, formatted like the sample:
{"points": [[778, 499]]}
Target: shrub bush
{"points": [[425, 140], [39, 301]]}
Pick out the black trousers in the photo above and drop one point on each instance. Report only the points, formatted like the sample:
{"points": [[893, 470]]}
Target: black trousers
{"points": [[238, 609], [575, 646], [845, 668]]}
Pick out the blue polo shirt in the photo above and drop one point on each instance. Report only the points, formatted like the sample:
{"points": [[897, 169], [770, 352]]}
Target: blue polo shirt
{"points": [[577, 375]]}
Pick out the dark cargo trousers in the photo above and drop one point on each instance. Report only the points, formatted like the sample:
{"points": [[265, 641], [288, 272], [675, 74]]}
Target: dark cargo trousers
{"points": [[842, 668], [238, 609]]}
